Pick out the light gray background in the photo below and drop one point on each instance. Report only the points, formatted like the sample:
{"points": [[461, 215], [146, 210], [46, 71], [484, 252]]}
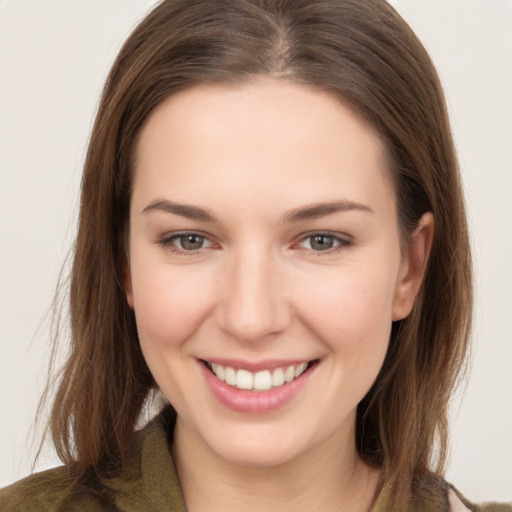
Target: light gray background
{"points": [[54, 56]]}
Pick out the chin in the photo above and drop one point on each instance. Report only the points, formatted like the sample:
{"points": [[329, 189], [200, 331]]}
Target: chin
{"points": [[257, 454], [259, 445]]}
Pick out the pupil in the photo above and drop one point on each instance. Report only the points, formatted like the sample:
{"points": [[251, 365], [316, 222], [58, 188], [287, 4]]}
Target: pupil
{"points": [[191, 242], [322, 242]]}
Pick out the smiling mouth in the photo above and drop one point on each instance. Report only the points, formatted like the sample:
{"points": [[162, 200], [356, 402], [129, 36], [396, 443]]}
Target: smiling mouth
{"points": [[259, 381]]}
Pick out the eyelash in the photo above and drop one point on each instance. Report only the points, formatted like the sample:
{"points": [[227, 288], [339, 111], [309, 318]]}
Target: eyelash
{"points": [[341, 243], [168, 242]]}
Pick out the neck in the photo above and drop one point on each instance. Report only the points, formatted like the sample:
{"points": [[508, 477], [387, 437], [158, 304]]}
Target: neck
{"points": [[329, 477]]}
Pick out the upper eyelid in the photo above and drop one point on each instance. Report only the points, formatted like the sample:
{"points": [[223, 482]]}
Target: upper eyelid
{"points": [[174, 234], [340, 236], [167, 240], [343, 242]]}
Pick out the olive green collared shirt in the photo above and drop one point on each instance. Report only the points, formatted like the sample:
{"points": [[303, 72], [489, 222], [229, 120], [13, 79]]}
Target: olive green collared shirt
{"points": [[149, 483]]}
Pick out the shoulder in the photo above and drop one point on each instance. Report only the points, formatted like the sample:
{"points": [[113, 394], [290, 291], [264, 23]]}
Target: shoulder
{"points": [[148, 482], [495, 507], [458, 503], [437, 496], [51, 491]]}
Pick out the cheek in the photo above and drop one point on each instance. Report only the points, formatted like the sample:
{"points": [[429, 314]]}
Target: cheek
{"points": [[352, 309], [169, 306]]}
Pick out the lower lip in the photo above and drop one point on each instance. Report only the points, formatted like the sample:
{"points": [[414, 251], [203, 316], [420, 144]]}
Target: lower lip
{"points": [[257, 402]]}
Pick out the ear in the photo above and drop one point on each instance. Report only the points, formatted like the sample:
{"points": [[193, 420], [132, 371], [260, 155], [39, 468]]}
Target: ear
{"points": [[127, 283], [413, 266], [127, 272]]}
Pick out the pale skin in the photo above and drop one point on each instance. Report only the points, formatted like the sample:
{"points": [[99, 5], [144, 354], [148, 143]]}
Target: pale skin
{"points": [[297, 254]]}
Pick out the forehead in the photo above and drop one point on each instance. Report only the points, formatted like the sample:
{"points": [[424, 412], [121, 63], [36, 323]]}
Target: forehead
{"points": [[268, 134]]}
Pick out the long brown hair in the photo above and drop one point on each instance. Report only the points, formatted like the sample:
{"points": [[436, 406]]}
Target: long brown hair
{"points": [[365, 54]]}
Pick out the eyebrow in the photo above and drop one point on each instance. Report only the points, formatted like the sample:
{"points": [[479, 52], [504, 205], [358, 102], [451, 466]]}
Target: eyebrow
{"points": [[318, 210], [308, 212], [184, 210]]}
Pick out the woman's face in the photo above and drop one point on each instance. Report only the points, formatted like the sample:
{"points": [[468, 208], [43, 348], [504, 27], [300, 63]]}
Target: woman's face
{"points": [[265, 266]]}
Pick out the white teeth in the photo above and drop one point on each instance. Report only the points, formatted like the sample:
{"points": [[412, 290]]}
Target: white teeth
{"points": [[220, 372], [259, 381], [299, 370], [289, 374], [244, 379], [229, 376], [262, 380], [278, 377]]}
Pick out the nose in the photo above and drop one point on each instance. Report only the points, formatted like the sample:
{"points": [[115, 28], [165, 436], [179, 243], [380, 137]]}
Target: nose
{"points": [[253, 304]]}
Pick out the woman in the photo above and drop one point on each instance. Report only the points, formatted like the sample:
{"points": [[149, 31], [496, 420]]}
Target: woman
{"points": [[272, 233]]}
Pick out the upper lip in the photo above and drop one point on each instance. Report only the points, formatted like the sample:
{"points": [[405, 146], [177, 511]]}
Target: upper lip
{"points": [[256, 366]]}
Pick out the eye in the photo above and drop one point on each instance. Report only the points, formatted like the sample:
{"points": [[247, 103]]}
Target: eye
{"points": [[324, 242], [186, 242], [191, 242]]}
